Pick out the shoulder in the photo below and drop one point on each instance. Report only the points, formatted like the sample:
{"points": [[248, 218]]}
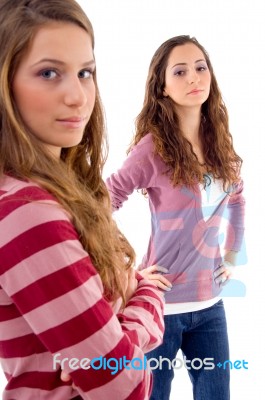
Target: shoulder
{"points": [[12, 188], [146, 142], [28, 213], [23, 202]]}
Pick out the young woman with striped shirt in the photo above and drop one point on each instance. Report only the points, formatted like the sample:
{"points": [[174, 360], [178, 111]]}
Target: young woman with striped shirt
{"points": [[69, 296]]}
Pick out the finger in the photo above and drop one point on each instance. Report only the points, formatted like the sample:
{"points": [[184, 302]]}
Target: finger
{"points": [[161, 269], [220, 279], [219, 271], [164, 281], [160, 281], [158, 277], [150, 269], [148, 274], [225, 282], [156, 268], [223, 278], [65, 377], [161, 285]]}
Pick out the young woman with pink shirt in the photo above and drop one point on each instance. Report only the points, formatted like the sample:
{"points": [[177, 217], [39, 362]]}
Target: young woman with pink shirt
{"points": [[182, 157], [69, 296]]}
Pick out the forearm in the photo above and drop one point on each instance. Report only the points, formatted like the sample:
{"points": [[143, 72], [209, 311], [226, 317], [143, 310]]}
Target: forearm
{"points": [[235, 217], [143, 319]]}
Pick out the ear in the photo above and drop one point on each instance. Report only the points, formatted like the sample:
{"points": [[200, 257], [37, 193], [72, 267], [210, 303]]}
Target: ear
{"points": [[165, 93]]}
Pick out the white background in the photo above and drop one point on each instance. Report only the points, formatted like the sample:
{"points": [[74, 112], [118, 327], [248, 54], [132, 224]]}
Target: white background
{"points": [[127, 34]]}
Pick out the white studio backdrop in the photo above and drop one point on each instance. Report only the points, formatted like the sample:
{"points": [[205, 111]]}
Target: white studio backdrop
{"points": [[127, 34]]}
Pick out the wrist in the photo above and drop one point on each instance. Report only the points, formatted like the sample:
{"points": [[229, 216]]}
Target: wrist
{"points": [[230, 257]]}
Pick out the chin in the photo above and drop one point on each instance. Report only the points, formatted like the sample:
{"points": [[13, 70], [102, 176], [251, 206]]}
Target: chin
{"points": [[72, 143]]}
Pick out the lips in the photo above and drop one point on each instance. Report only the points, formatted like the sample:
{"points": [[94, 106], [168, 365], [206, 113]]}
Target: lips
{"points": [[71, 119], [72, 122], [196, 91]]}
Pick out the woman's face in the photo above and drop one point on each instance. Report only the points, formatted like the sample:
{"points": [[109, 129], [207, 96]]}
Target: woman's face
{"points": [[53, 86], [187, 77]]}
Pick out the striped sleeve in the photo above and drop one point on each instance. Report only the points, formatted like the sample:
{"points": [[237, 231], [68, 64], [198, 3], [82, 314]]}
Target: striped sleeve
{"points": [[58, 294]]}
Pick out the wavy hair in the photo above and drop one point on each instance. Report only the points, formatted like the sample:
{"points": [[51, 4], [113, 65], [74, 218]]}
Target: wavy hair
{"points": [[159, 117], [76, 179]]}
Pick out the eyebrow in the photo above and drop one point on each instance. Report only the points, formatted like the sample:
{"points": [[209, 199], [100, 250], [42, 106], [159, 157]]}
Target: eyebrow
{"points": [[58, 62], [187, 64]]}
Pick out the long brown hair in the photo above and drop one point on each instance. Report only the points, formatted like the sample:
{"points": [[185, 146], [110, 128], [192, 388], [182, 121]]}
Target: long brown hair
{"points": [[76, 180], [158, 116]]}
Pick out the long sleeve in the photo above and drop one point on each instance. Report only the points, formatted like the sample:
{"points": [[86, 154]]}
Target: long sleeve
{"points": [[235, 217], [137, 172], [58, 309]]}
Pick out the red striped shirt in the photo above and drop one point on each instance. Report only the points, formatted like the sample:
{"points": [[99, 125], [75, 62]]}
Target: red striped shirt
{"points": [[51, 302]]}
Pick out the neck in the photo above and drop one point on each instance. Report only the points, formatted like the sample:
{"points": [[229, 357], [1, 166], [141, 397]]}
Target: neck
{"points": [[190, 120]]}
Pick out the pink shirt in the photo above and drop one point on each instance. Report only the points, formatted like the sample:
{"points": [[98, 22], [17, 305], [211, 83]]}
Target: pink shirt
{"points": [[182, 240]]}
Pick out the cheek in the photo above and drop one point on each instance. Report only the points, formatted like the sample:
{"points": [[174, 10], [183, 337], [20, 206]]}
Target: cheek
{"points": [[209, 79], [32, 103], [31, 107], [172, 86]]}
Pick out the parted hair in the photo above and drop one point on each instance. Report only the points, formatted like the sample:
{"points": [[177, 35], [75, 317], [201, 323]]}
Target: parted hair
{"points": [[159, 117], [76, 179]]}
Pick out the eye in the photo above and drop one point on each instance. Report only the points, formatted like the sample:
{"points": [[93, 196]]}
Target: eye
{"points": [[202, 68], [85, 74], [179, 72], [48, 74]]}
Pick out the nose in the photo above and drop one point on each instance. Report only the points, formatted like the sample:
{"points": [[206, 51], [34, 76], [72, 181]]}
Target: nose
{"points": [[74, 92], [193, 76]]}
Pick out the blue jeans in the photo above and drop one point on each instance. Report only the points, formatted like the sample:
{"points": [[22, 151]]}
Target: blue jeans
{"points": [[200, 334]]}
